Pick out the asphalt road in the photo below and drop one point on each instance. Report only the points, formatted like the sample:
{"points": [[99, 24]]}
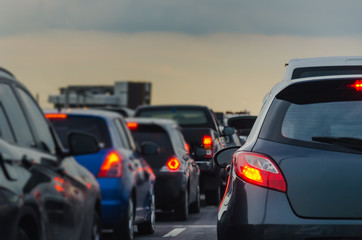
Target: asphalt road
{"points": [[201, 226]]}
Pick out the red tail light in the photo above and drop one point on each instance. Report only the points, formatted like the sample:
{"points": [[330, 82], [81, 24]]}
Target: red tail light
{"points": [[56, 115], [132, 125], [207, 142], [357, 85], [187, 147], [260, 170], [173, 164], [112, 166]]}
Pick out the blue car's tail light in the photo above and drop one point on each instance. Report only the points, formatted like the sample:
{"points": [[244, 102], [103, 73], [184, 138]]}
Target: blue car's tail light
{"points": [[112, 166], [260, 170]]}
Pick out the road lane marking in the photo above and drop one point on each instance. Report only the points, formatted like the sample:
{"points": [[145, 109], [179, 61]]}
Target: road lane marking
{"points": [[174, 232]]}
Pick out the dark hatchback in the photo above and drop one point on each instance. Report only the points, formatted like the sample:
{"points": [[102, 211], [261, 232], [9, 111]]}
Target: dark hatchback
{"points": [[177, 174], [299, 174], [44, 193]]}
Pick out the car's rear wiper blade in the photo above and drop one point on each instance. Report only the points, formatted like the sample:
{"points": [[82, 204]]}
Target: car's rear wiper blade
{"points": [[348, 142]]}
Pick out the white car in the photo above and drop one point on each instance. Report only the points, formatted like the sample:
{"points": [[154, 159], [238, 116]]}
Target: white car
{"points": [[322, 66]]}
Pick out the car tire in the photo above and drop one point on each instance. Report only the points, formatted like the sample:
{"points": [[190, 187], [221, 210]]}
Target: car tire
{"points": [[125, 230], [96, 227], [182, 211], [148, 227], [195, 206], [212, 196]]}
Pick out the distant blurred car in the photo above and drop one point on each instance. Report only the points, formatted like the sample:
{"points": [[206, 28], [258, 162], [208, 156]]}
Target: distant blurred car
{"points": [[201, 130], [232, 140], [299, 174], [125, 178], [177, 183], [124, 111], [242, 125], [44, 193]]}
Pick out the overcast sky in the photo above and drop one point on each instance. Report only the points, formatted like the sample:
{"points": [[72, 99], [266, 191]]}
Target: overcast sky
{"points": [[234, 50], [271, 17]]}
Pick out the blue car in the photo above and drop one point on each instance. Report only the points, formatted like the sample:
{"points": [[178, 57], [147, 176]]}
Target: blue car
{"points": [[125, 178]]}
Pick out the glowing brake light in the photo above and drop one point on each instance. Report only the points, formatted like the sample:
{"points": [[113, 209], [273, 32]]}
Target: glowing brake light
{"points": [[56, 115], [111, 167], [260, 170], [207, 142], [173, 164], [187, 147], [357, 85], [132, 125]]}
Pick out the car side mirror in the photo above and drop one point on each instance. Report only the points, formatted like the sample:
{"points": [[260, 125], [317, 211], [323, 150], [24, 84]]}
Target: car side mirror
{"points": [[228, 131], [224, 157], [82, 143], [149, 149]]}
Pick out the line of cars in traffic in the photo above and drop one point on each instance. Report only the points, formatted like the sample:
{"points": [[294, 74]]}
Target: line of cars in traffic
{"points": [[296, 177], [68, 174]]}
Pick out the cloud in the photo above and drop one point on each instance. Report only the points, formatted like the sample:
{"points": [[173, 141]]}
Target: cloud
{"points": [[277, 17]]}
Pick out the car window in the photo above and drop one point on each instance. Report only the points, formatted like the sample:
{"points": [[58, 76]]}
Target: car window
{"points": [[15, 114], [331, 119], [39, 122], [91, 125], [180, 142], [159, 136], [184, 117], [330, 109], [325, 71], [122, 133], [6, 131]]}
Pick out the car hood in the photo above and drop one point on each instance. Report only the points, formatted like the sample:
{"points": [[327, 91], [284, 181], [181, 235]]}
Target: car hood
{"points": [[320, 183]]}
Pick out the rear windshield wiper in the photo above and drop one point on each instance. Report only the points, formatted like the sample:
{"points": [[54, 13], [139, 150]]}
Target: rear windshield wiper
{"points": [[348, 142]]}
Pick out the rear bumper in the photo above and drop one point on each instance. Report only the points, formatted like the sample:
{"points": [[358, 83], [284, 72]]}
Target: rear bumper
{"points": [[115, 197], [293, 232], [257, 213], [169, 186], [205, 164]]}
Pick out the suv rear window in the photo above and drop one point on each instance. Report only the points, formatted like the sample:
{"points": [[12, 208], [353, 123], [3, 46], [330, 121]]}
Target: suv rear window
{"points": [[91, 125], [303, 112], [184, 117], [325, 71], [156, 134]]}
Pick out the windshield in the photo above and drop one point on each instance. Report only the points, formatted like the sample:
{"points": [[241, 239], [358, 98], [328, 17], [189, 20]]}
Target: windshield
{"points": [[315, 113], [90, 125], [330, 119], [325, 71], [184, 117]]}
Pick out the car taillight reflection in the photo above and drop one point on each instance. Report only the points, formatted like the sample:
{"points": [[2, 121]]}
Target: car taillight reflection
{"points": [[173, 164], [112, 166], [260, 170]]}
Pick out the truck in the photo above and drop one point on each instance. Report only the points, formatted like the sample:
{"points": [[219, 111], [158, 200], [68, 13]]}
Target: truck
{"points": [[204, 138], [122, 97]]}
